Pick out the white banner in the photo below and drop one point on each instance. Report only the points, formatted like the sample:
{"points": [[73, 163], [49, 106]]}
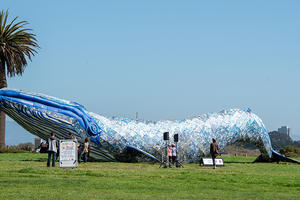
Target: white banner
{"points": [[68, 153]]}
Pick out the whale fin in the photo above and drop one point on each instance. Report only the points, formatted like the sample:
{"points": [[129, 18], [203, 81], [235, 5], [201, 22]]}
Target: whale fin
{"points": [[276, 157], [137, 150], [279, 157]]}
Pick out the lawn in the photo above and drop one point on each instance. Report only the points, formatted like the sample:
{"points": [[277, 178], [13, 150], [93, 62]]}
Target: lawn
{"points": [[25, 176]]}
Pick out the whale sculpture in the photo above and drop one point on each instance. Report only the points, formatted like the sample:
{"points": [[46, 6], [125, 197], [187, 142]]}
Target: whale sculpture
{"points": [[116, 139]]}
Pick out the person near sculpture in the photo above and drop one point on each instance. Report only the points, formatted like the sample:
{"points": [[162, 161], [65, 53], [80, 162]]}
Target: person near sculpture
{"points": [[214, 151], [74, 138], [174, 151], [70, 136], [170, 153], [85, 149], [52, 149]]}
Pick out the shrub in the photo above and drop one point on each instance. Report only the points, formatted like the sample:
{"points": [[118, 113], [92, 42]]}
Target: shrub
{"points": [[20, 148], [290, 151], [26, 146], [12, 151]]}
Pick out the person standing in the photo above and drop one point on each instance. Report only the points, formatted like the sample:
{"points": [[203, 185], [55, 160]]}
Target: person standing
{"points": [[52, 149], [85, 149], [79, 146], [174, 153], [170, 153], [214, 151], [70, 136]]}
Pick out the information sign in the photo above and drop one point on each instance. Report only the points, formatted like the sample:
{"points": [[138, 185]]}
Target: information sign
{"points": [[209, 162], [68, 154]]}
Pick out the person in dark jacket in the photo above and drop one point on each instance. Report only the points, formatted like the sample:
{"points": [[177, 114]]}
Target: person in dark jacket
{"points": [[85, 149], [70, 136], [52, 149], [214, 151]]}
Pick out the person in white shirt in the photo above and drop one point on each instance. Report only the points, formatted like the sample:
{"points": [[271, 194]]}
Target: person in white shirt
{"points": [[52, 149]]}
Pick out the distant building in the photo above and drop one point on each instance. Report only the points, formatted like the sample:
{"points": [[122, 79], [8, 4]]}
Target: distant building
{"points": [[285, 130]]}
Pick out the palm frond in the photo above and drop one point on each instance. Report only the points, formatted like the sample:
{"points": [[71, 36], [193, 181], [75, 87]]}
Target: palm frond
{"points": [[4, 21], [17, 44]]}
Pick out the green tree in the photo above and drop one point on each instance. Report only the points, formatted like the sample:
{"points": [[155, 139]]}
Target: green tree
{"points": [[17, 44]]}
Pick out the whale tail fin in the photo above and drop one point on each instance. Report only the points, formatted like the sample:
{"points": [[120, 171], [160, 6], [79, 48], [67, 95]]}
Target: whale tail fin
{"points": [[276, 157]]}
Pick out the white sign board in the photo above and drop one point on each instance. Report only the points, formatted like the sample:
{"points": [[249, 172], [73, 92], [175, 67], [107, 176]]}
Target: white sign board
{"points": [[209, 161], [68, 153]]}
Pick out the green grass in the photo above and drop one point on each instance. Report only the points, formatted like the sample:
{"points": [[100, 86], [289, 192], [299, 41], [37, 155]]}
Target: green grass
{"points": [[25, 176]]}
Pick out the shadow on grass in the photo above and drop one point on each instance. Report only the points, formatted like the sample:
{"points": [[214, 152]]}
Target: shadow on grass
{"points": [[36, 160], [240, 162]]}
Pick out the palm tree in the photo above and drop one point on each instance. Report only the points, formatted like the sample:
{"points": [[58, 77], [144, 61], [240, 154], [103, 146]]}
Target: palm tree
{"points": [[17, 45]]}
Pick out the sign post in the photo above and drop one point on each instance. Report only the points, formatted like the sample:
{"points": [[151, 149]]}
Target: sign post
{"points": [[68, 154]]}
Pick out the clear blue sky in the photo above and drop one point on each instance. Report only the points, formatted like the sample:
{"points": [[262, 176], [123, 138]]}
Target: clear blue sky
{"points": [[167, 59]]}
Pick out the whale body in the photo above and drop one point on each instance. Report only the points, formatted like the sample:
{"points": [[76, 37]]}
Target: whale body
{"points": [[114, 138]]}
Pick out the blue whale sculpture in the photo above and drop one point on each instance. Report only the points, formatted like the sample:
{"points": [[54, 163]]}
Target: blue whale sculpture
{"points": [[115, 138]]}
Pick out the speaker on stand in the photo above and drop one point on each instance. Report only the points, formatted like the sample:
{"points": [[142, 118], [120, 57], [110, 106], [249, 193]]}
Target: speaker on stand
{"points": [[177, 163], [166, 136], [164, 159]]}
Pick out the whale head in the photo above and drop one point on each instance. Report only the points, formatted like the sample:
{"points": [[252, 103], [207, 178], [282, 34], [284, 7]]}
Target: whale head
{"points": [[42, 114]]}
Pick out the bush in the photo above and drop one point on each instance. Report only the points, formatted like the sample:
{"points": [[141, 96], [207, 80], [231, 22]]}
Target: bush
{"points": [[26, 146], [290, 151], [20, 148], [12, 151]]}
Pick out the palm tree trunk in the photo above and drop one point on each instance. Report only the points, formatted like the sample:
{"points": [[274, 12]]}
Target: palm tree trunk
{"points": [[3, 83], [2, 130]]}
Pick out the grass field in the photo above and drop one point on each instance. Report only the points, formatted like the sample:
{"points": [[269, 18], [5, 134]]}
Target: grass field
{"points": [[25, 176]]}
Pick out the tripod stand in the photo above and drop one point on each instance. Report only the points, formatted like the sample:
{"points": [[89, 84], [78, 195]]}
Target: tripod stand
{"points": [[177, 163], [164, 159]]}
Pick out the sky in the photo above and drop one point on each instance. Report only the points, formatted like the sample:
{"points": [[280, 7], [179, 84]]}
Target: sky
{"points": [[167, 59]]}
